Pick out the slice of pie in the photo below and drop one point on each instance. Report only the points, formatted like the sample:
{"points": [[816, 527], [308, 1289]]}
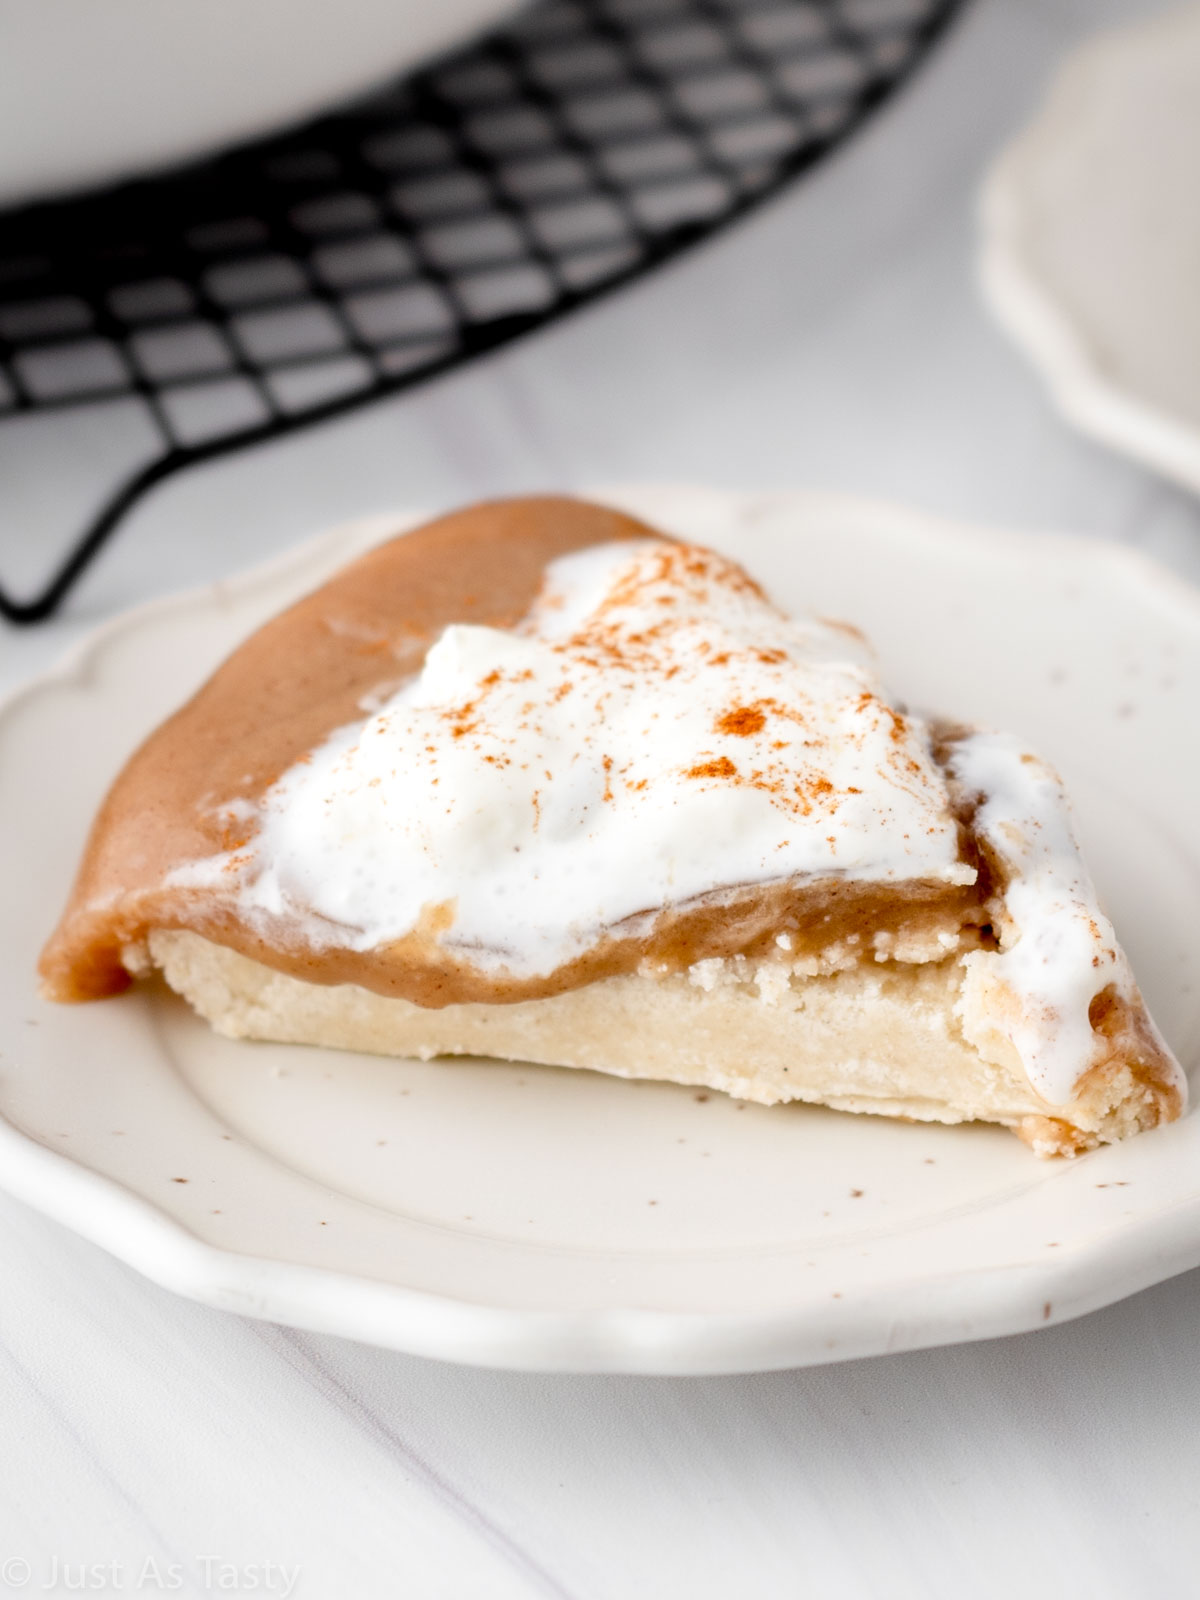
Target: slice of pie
{"points": [[539, 782]]}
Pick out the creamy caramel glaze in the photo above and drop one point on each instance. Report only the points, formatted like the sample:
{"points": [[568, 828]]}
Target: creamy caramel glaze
{"points": [[310, 671]]}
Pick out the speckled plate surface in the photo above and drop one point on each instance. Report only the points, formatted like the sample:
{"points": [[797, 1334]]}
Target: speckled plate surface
{"points": [[1091, 241], [529, 1217]]}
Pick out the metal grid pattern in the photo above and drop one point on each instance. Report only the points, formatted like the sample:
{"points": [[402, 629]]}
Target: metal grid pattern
{"points": [[281, 284]]}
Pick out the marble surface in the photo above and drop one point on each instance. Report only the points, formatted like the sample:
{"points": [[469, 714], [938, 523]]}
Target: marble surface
{"points": [[836, 339]]}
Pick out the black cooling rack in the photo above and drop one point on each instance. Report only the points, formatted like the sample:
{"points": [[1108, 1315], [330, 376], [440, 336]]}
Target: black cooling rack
{"points": [[295, 278]]}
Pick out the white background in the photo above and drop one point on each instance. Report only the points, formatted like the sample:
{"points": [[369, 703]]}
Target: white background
{"points": [[836, 340]]}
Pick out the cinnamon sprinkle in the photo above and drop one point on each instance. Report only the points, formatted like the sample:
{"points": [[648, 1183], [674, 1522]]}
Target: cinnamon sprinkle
{"points": [[742, 721], [722, 767]]}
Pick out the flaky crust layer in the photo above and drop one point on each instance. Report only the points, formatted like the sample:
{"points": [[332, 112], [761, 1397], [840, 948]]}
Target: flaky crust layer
{"points": [[882, 1038]]}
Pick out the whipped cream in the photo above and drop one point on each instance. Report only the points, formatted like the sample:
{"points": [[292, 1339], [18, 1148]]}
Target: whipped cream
{"points": [[1058, 950], [654, 731]]}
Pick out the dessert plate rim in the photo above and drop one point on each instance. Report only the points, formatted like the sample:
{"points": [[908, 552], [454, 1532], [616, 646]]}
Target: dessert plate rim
{"points": [[889, 1313], [1083, 381]]}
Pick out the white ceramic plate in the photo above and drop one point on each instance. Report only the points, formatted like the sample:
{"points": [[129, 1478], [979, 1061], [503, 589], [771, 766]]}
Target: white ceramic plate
{"points": [[1091, 241], [530, 1217], [94, 90]]}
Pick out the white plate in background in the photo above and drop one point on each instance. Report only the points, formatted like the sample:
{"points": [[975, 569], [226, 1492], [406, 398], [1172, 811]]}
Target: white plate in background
{"points": [[537, 1218], [96, 90], [1091, 241]]}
